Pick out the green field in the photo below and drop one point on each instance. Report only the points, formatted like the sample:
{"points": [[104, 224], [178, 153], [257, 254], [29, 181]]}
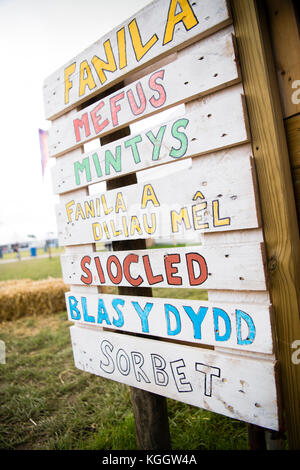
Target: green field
{"points": [[46, 403]]}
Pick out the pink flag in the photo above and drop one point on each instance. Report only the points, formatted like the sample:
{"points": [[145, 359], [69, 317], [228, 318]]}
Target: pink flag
{"points": [[43, 135]]}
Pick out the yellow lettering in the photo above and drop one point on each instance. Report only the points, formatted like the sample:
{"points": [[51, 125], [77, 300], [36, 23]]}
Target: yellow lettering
{"points": [[149, 195], [106, 230], [115, 232], [125, 228], [68, 84], [217, 221], [186, 15], [198, 218], [69, 209], [97, 231], [138, 47], [135, 225], [106, 210], [178, 218], [120, 204], [122, 48], [79, 212], [86, 78], [89, 209], [101, 65], [151, 229]]}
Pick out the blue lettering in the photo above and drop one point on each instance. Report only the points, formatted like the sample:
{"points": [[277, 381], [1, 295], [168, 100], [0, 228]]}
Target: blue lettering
{"points": [[197, 319], [251, 327], [102, 313], [75, 313], [120, 320], [143, 314], [170, 308], [86, 316], [218, 312]]}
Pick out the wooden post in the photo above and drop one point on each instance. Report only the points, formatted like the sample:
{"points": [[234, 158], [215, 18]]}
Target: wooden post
{"points": [[276, 194], [150, 410]]}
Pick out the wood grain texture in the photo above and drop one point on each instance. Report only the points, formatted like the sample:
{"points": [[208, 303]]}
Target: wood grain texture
{"points": [[286, 48], [238, 387], [292, 126], [206, 197], [217, 122], [206, 66], [276, 195], [238, 326], [192, 267], [138, 42]]}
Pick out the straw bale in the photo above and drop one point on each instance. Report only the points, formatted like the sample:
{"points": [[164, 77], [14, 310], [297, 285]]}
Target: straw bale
{"points": [[23, 297]]}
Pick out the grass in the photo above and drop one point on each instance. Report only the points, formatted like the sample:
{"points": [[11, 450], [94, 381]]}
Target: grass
{"points": [[47, 404], [37, 268]]}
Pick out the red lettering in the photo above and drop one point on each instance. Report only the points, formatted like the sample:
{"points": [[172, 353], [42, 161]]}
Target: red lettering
{"points": [[134, 108], [157, 102], [151, 279], [96, 118], [79, 123], [170, 269], [190, 259], [99, 270], [115, 279], [115, 109], [88, 279], [132, 258]]}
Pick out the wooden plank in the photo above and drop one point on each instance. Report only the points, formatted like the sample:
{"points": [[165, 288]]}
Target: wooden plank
{"points": [[281, 231], [296, 180], [238, 326], [286, 46], [241, 388], [215, 123], [205, 67], [160, 28], [191, 266], [207, 197], [292, 126]]}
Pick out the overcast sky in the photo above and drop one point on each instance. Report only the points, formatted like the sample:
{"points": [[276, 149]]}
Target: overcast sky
{"points": [[36, 38]]}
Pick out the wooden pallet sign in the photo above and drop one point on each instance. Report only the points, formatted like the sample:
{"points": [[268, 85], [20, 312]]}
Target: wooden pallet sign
{"points": [[237, 326], [219, 353], [208, 66], [215, 123], [226, 384], [205, 198], [192, 267], [158, 29]]}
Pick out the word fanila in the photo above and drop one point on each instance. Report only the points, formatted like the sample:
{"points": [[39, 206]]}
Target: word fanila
{"points": [[91, 73]]}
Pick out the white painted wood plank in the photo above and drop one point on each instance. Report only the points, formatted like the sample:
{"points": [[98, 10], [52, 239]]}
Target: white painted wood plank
{"points": [[208, 66], [215, 123], [160, 28], [236, 267], [244, 389], [240, 326], [215, 194]]}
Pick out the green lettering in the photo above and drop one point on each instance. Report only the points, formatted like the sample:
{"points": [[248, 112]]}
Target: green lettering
{"points": [[156, 141], [81, 167], [110, 160], [178, 153], [132, 143]]}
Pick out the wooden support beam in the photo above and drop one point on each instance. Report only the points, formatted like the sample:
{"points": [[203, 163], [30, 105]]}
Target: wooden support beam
{"points": [[149, 409], [276, 195]]}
